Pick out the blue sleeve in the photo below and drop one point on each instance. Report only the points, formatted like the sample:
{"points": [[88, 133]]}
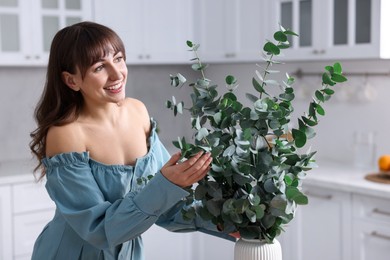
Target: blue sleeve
{"points": [[72, 187], [172, 220]]}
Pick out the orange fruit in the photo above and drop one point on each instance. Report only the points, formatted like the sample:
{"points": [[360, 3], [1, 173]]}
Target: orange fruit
{"points": [[384, 162]]}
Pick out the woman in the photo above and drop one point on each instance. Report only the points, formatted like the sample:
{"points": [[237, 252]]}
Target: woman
{"points": [[98, 149]]}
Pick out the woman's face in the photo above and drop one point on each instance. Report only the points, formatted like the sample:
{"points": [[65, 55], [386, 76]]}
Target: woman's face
{"points": [[105, 81]]}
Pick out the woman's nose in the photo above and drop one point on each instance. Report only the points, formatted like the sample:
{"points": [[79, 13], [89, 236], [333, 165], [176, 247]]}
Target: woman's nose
{"points": [[115, 72]]}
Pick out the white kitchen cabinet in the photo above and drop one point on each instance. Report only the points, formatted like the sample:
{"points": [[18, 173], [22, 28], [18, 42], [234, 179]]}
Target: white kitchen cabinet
{"points": [[5, 223], [230, 30], [32, 210], [371, 228], [333, 29], [153, 31], [207, 247], [164, 245], [27, 27], [320, 230], [25, 208]]}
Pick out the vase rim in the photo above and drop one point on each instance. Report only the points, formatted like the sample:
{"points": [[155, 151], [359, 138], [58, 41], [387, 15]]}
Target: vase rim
{"points": [[254, 240]]}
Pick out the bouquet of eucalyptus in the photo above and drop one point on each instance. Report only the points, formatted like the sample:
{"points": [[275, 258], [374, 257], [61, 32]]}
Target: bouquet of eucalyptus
{"points": [[254, 185]]}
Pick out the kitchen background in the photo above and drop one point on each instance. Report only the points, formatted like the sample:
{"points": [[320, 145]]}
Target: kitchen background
{"points": [[231, 33]]}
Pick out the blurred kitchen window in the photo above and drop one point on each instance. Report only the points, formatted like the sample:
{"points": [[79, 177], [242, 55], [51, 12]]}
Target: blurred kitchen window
{"points": [[73, 4], [51, 25], [8, 3], [72, 20], [305, 23], [363, 21], [286, 14], [9, 24], [340, 22], [50, 4]]}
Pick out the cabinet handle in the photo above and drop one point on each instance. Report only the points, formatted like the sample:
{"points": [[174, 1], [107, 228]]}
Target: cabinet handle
{"points": [[379, 235], [147, 56], [230, 55], [378, 211], [140, 57], [324, 197], [317, 52]]}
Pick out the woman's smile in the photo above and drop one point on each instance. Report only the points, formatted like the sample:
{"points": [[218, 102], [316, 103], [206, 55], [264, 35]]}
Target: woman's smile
{"points": [[115, 88]]}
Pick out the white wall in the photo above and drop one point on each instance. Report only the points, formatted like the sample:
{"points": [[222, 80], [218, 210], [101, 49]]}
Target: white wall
{"points": [[345, 113]]}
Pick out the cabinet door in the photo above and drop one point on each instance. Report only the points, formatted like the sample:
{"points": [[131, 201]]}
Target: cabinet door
{"points": [[168, 25], [321, 229], [207, 247], [126, 19], [152, 31], [5, 223], [13, 33], [164, 245], [213, 29], [27, 27], [371, 241], [230, 30], [371, 228], [304, 17], [354, 28], [51, 16], [26, 228], [250, 27]]}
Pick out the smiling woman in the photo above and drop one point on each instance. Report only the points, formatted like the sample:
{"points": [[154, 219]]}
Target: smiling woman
{"points": [[95, 147]]}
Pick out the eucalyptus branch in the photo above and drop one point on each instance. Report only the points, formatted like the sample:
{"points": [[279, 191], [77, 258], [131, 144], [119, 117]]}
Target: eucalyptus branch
{"points": [[257, 175]]}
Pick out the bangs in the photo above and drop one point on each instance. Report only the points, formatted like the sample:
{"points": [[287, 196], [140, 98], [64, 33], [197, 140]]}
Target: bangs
{"points": [[94, 44]]}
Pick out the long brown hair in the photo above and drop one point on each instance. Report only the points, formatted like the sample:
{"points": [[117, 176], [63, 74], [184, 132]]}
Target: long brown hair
{"points": [[75, 47]]}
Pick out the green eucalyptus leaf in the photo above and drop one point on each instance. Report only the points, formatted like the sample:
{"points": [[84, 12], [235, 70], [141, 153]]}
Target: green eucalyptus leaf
{"points": [[269, 47], [254, 200], [296, 195], [319, 96], [200, 192], [251, 215], [189, 44], [328, 91], [257, 86], [259, 211], [280, 36], [308, 121], [230, 80], [326, 79], [278, 205], [299, 137], [337, 68], [338, 78], [288, 32], [214, 207], [202, 133], [319, 109]]}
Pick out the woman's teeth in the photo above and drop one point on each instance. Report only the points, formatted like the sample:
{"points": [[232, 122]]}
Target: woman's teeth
{"points": [[117, 86]]}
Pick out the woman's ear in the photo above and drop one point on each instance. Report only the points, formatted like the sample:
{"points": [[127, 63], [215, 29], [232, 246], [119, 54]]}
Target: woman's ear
{"points": [[70, 80]]}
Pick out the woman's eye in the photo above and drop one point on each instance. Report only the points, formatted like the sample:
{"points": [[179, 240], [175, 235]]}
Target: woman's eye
{"points": [[119, 59], [99, 68]]}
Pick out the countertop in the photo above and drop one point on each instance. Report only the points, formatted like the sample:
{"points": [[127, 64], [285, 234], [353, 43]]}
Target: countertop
{"points": [[17, 171], [328, 175], [346, 178]]}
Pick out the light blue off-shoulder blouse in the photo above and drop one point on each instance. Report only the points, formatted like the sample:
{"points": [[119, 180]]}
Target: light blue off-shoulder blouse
{"points": [[102, 210]]}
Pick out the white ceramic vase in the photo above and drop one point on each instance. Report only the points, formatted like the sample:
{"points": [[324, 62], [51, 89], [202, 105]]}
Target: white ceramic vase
{"points": [[254, 249]]}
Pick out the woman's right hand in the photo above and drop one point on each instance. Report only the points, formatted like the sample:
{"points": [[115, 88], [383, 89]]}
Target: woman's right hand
{"points": [[188, 172]]}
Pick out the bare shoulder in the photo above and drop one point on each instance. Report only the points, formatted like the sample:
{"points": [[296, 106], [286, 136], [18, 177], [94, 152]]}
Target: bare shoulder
{"points": [[138, 111], [64, 139]]}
